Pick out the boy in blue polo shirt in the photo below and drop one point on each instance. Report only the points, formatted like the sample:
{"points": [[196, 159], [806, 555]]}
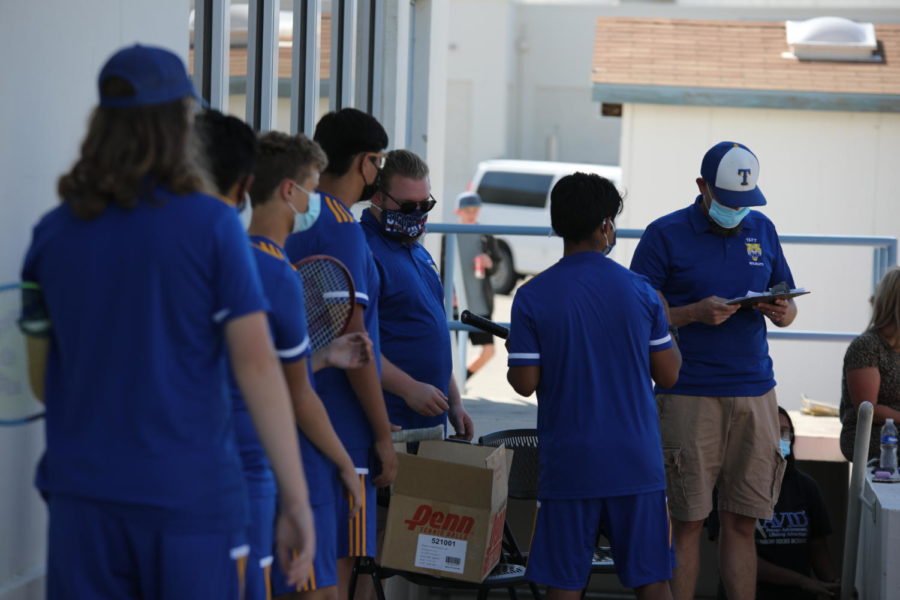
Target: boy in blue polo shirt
{"points": [[353, 141], [588, 335], [147, 283], [277, 179]]}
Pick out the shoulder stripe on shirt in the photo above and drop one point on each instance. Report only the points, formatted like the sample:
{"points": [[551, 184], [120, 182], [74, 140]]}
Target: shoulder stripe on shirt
{"points": [[340, 213], [269, 249], [295, 351], [514, 355], [661, 340]]}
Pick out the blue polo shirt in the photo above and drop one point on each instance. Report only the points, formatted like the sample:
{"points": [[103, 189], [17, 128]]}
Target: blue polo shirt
{"points": [[687, 262], [413, 324], [138, 409], [287, 324], [590, 325], [337, 233]]}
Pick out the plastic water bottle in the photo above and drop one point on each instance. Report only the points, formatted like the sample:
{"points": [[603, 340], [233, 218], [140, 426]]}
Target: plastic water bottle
{"points": [[888, 460]]}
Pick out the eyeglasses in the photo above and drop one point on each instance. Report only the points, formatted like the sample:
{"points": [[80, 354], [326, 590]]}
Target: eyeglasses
{"points": [[377, 158], [409, 206]]}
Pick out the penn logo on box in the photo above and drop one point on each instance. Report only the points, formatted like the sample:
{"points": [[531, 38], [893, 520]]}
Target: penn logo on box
{"points": [[437, 521]]}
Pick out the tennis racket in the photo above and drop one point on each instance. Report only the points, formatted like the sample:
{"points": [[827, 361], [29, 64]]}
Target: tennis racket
{"points": [[18, 405], [483, 324], [329, 296]]}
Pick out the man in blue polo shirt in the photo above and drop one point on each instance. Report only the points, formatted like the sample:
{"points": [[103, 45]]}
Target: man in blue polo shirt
{"points": [[588, 335], [720, 422], [415, 342]]}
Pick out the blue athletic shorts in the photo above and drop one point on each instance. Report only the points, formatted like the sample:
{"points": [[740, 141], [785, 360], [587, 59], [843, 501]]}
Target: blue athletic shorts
{"points": [[260, 535], [357, 538], [102, 550], [566, 533]]}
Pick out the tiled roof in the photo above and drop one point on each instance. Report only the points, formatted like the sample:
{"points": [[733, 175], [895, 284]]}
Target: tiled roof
{"points": [[731, 55]]}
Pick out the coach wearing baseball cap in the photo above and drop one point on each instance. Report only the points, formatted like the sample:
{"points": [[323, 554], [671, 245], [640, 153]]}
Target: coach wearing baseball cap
{"points": [[719, 423]]}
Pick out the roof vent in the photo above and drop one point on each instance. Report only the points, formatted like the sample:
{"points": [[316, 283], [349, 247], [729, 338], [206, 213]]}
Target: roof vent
{"points": [[831, 38]]}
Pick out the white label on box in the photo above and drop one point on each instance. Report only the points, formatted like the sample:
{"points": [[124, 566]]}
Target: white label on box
{"points": [[441, 554]]}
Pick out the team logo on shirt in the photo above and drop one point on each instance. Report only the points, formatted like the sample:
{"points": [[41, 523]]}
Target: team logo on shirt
{"points": [[754, 250]]}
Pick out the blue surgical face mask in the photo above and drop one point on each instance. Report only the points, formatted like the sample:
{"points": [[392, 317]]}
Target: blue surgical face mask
{"points": [[785, 447], [305, 220], [727, 217]]}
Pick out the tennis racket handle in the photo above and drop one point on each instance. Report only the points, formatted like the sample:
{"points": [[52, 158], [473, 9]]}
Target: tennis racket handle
{"points": [[483, 324], [418, 435]]}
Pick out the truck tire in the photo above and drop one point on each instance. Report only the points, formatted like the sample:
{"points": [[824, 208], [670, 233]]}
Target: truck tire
{"points": [[504, 278]]}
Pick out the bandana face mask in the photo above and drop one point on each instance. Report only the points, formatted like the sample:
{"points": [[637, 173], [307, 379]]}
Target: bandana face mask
{"points": [[403, 226]]}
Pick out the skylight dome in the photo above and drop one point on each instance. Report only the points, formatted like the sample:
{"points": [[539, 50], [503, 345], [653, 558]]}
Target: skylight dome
{"points": [[831, 38]]}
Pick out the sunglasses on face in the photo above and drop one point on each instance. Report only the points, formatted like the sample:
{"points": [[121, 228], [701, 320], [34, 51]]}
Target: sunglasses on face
{"points": [[378, 159], [408, 206]]}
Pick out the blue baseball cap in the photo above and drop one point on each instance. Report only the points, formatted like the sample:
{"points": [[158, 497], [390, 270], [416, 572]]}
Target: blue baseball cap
{"points": [[467, 199], [157, 75], [733, 170]]}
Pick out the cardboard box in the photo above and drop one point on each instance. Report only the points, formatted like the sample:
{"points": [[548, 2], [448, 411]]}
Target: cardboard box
{"points": [[447, 511]]}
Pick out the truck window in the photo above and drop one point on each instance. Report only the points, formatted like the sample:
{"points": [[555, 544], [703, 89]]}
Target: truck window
{"points": [[515, 189]]}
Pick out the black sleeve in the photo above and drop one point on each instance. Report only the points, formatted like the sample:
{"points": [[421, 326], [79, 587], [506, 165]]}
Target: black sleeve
{"points": [[490, 247]]}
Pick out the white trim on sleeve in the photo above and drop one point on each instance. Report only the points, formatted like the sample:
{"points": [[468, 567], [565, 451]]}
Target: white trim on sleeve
{"points": [[295, 351], [362, 296], [660, 341], [524, 355]]}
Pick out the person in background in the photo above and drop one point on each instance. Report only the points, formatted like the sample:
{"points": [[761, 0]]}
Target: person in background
{"points": [[872, 367], [793, 561], [479, 257]]}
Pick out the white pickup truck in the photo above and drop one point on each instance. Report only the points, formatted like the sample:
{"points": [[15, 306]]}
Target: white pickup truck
{"points": [[517, 192]]}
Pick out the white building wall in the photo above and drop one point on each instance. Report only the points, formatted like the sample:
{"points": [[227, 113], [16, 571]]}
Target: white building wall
{"points": [[480, 35], [823, 173], [50, 54]]}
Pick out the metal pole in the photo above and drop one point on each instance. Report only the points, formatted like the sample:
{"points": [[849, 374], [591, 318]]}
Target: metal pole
{"points": [[857, 475], [306, 55], [449, 264]]}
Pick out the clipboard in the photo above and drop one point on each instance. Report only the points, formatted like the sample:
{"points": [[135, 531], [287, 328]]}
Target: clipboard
{"points": [[774, 293]]}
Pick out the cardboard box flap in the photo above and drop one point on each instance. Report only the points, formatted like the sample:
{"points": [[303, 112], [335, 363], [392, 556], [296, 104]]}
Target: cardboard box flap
{"points": [[464, 454], [446, 482]]}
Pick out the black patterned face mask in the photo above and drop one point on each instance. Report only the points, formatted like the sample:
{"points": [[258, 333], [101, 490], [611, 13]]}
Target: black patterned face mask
{"points": [[403, 226]]}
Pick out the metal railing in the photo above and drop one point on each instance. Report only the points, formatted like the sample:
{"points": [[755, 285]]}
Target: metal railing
{"points": [[884, 256]]}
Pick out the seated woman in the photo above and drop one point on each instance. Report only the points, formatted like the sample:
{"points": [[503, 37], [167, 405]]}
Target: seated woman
{"points": [[792, 557], [872, 367]]}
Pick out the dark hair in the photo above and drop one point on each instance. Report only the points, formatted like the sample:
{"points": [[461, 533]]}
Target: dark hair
{"points": [[579, 204], [346, 133], [791, 460], [129, 150], [402, 163], [230, 148], [283, 156]]}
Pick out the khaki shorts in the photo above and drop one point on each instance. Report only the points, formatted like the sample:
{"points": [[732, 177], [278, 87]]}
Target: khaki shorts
{"points": [[732, 443]]}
